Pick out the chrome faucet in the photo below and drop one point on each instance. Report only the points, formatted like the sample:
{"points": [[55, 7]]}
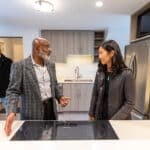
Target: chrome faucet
{"points": [[77, 74]]}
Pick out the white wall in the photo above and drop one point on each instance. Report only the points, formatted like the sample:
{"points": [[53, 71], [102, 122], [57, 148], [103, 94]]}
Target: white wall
{"points": [[121, 35], [28, 35], [12, 48], [118, 28], [119, 31]]}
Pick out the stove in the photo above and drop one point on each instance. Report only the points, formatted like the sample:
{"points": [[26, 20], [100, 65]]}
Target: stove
{"points": [[65, 130]]}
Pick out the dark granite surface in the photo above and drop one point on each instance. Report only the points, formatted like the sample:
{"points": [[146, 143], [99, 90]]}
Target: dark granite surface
{"points": [[65, 130]]}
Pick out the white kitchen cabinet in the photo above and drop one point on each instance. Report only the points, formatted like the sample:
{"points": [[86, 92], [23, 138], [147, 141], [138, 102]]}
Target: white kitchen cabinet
{"points": [[80, 94]]}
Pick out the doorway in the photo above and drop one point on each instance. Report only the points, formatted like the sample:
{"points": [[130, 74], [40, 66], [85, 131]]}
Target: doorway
{"points": [[12, 47]]}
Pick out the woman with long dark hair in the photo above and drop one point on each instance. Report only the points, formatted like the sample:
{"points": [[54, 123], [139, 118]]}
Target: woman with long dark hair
{"points": [[114, 87]]}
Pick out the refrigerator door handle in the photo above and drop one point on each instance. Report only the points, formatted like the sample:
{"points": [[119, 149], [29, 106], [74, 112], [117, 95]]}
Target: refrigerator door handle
{"points": [[133, 64]]}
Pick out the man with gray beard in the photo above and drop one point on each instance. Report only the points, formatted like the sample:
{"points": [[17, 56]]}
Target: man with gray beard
{"points": [[34, 79]]}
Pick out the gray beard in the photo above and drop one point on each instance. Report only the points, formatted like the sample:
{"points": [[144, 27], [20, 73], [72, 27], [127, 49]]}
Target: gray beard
{"points": [[44, 57]]}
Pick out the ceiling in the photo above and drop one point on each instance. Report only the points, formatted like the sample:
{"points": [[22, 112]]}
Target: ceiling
{"points": [[68, 13]]}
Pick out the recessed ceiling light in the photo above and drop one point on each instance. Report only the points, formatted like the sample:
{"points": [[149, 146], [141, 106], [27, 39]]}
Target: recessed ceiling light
{"points": [[99, 4], [44, 6]]}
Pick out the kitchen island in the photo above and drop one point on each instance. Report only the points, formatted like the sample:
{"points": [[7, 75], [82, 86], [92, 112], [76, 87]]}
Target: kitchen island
{"points": [[131, 134], [129, 130]]}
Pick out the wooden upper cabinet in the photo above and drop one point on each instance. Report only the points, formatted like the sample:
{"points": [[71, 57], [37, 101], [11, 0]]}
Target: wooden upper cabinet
{"points": [[99, 37], [65, 42]]}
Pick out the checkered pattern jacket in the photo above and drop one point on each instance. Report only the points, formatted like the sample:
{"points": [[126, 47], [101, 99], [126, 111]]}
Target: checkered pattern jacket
{"points": [[24, 84]]}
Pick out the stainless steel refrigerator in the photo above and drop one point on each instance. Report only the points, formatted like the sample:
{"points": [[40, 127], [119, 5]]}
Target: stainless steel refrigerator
{"points": [[137, 57]]}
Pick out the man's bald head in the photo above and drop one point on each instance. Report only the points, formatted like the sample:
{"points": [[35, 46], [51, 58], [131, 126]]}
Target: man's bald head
{"points": [[41, 49]]}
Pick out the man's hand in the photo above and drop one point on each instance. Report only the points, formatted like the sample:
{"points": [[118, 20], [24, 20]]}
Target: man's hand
{"points": [[91, 118], [64, 101], [8, 123]]}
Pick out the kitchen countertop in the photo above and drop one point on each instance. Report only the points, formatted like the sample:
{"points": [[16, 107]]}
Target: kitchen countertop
{"points": [[16, 125], [79, 82], [132, 135], [75, 82], [129, 130], [132, 130]]}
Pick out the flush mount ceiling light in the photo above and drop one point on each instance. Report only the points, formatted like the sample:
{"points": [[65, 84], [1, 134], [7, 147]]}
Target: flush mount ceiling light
{"points": [[99, 4], [44, 6]]}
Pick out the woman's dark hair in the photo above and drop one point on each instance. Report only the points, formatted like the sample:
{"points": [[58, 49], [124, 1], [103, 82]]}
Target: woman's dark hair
{"points": [[117, 61]]}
